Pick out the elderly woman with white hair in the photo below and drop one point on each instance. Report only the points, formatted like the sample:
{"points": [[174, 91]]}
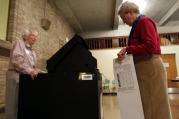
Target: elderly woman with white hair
{"points": [[144, 45], [22, 60]]}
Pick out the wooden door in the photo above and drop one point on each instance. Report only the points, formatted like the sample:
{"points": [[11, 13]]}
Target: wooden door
{"points": [[170, 65]]}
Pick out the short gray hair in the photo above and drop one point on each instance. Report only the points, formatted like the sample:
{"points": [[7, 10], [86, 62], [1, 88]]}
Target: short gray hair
{"points": [[28, 32], [128, 6]]}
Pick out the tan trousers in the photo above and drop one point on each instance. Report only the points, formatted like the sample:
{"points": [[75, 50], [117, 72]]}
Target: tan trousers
{"points": [[152, 80]]}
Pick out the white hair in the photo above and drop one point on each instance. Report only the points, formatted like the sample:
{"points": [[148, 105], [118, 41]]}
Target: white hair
{"points": [[28, 32], [128, 6]]}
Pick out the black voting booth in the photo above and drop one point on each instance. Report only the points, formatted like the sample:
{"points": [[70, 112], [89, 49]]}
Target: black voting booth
{"points": [[70, 89]]}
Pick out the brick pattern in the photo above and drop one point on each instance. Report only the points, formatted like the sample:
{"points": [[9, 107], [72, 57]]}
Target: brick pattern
{"points": [[26, 14], [3, 68]]}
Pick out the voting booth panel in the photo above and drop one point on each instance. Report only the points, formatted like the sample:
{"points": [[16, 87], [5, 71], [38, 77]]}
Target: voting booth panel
{"points": [[74, 56], [34, 97], [70, 89], [129, 98]]}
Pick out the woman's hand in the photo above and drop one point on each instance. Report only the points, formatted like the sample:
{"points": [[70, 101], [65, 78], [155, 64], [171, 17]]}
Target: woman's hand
{"points": [[121, 54], [34, 73]]}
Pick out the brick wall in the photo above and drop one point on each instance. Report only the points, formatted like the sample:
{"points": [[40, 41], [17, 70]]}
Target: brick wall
{"points": [[26, 14], [3, 68]]}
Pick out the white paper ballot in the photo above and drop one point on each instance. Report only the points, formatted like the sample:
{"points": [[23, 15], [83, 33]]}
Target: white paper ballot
{"points": [[128, 89]]}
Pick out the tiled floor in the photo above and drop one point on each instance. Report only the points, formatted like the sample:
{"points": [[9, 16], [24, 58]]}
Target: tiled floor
{"points": [[111, 108], [174, 103]]}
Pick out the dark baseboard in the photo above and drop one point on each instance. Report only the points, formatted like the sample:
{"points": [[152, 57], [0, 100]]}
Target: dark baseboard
{"points": [[112, 93], [5, 47], [4, 52], [2, 109]]}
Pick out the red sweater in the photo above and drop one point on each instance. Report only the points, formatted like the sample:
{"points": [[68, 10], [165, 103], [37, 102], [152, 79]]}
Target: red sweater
{"points": [[145, 40]]}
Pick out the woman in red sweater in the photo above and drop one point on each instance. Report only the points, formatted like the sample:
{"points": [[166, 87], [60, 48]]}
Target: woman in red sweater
{"points": [[144, 45]]}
